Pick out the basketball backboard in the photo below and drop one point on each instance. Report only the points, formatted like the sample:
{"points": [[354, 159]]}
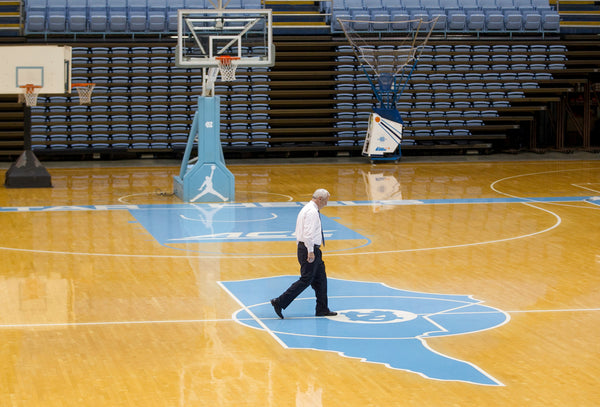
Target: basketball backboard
{"points": [[46, 66], [206, 34]]}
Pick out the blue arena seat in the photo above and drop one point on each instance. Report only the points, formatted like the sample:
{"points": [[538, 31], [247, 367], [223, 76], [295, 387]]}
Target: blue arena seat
{"points": [[541, 5], [418, 14], [57, 15], [399, 20], [390, 4], [410, 5], [468, 5], [557, 48], [77, 15], [550, 21], [362, 19], [231, 4], [457, 20], [172, 7], [251, 4], [538, 48], [495, 85], [439, 85], [519, 57], [475, 20], [499, 56], [486, 5], [381, 20], [338, 5], [494, 20], [500, 67], [353, 5], [117, 15], [523, 5], [137, 15], [98, 16], [195, 4], [505, 4], [497, 95], [157, 15], [449, 5], [513, 20], [556, 58], [442, 19], [373, 5]]}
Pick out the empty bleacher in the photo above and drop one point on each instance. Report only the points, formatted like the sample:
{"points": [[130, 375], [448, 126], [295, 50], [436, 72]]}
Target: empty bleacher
{"points": [[159, 16], [483, 90], [452, 15], [143, 103]]}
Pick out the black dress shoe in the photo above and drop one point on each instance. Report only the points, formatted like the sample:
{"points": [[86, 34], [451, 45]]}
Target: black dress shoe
{"points": [[277, 307], [326, 314]]}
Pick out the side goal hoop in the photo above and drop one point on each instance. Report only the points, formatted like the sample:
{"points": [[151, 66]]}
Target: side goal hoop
{"points": [[84, 90], [30, 94]]}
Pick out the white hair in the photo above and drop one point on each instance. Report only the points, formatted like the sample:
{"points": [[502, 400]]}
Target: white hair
{"points": [[321, 193]]}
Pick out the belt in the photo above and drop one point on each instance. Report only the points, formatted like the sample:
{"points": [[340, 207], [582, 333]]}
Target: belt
{"points": [[302, 244]]}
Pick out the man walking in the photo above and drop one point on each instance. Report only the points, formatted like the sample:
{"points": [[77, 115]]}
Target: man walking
{"points": [[309, 235]]}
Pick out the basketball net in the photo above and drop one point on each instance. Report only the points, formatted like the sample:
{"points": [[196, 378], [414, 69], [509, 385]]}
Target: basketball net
{"points": [[84, 90], [29, 95], [227, 67], [388, 69], [406, 52]]}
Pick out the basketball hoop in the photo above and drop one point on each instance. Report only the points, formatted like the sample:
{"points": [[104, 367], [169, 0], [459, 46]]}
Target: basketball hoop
{"points": [[30, 94], [84, 90], [227, 67]]}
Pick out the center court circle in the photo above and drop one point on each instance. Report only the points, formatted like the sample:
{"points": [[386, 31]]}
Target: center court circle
{"points": [[373, 316]]}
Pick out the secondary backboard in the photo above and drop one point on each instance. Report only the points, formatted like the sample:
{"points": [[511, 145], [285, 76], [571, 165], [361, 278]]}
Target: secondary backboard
{"points": [[204, 34], [46, 66]]}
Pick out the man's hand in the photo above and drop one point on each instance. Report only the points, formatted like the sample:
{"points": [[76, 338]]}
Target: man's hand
{"points": [[311, 257]]}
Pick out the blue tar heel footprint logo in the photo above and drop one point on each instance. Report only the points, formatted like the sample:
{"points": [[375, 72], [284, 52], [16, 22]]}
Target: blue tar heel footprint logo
{"points": [[375, 323]]}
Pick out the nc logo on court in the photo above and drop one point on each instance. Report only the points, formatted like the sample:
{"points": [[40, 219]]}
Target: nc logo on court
{"points": [[374, 316], [375, 323]]}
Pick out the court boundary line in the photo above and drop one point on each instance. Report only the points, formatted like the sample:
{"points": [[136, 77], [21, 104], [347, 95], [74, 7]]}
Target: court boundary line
{"points": [[254, 317], [293, 255], [526, 201], [198, 321], [508, 199]]}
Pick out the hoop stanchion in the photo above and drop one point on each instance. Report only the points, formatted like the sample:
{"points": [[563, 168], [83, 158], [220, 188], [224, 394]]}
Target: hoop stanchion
{"points": [[30, 94], [84, 90], [227, 67], [388, 71]]}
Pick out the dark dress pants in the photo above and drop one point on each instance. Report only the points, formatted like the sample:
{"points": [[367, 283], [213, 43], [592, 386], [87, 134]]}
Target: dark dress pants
{"points": [[312, 274]]}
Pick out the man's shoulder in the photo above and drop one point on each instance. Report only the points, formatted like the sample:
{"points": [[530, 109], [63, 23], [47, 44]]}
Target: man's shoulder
{"points": [[310, 206]]}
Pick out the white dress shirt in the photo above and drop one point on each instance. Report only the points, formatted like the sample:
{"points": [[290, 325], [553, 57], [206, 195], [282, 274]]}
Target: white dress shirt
{"points": [[308, 226]]}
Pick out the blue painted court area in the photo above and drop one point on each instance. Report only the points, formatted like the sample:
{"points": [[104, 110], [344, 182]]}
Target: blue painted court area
{"points": [[271, 221], [375, 323], [229, 223], [173, 225]]}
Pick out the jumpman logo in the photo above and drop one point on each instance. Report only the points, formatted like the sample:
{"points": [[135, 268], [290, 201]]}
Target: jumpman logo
{"points": [[207, 187]]}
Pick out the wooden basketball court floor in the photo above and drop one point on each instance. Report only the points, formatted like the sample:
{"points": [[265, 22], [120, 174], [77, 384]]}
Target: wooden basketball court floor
{"points": [[99, 306]]}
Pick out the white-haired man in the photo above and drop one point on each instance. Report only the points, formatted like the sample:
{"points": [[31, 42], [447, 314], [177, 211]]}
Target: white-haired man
{"points": [[309, 236]]}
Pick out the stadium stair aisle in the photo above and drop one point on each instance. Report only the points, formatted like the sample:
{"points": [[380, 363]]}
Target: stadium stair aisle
{"points": [[297, 17], [581, 16]]}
